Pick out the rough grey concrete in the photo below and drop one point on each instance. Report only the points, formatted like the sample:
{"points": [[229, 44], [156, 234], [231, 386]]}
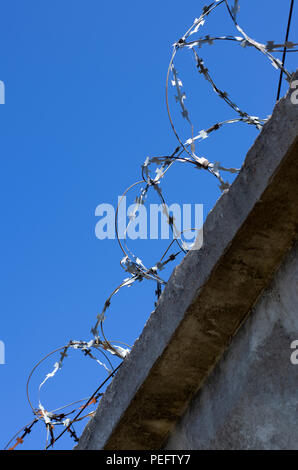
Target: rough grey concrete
{"points": [[250, 400], [209, 295]]}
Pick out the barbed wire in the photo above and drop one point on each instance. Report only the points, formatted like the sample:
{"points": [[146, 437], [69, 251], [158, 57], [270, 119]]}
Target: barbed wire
{"points": [[131, 263]]}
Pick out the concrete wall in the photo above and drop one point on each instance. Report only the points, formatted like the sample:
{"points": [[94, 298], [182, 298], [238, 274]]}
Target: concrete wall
{"points": [[250, 401]]}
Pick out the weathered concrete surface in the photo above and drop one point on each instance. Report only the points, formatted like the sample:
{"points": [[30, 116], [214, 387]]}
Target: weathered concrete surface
{"points": [[250, 400], [209, 295]]}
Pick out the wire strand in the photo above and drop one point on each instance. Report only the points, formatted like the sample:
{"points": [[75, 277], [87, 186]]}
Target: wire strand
{"points": [[285, 48]]}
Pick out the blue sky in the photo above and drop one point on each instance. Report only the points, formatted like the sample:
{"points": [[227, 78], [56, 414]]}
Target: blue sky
{"points": [[85, 105]]}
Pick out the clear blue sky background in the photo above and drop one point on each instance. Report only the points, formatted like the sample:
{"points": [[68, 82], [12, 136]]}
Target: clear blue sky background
{"points": [[85, 105]]}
